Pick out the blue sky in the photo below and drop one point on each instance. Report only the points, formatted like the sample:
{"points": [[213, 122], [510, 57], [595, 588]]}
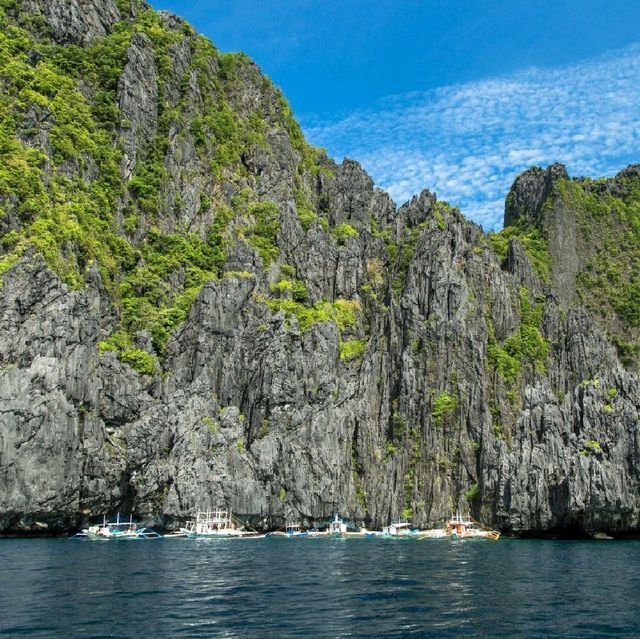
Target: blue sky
{"points": [[457, 96]]}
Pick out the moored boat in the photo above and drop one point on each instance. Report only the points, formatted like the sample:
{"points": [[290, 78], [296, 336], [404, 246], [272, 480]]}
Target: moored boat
{"points": [[291, 530], [337, 527], [119, 530], [294, 530], [401, 530], [460, 528], [216, 524]]}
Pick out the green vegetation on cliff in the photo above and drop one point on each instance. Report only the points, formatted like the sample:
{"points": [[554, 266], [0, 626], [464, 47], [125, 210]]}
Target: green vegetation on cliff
{"points": [[63, 194], [608, 220], [533, 242], [443, 404], [61, 150], [342, 312], [605, 247], [525, 347]]}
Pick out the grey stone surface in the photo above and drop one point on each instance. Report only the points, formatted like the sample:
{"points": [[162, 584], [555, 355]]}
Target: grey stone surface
{"points": [[75, 21], [137, 101], [529, 193]]}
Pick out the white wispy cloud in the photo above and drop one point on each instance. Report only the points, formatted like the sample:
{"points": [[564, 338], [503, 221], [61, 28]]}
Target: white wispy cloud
{"points": [[467, 142]]}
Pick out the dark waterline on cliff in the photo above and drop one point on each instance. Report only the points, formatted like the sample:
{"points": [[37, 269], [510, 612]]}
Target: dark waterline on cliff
{"points": [[263, 588]]}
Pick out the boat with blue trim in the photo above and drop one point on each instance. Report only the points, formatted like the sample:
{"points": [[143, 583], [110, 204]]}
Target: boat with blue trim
{"points": [[337, 527], [119, 530]]}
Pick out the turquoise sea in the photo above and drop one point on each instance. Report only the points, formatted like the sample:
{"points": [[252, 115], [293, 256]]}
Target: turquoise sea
{"points": [[319, 588]]}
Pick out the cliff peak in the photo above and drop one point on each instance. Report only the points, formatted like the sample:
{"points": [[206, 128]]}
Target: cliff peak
{"points": [[529, 192]]}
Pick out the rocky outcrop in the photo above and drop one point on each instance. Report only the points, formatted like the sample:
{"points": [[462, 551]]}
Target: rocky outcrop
{"points": [[137, 101], [75, 21], [529, 192], [257, 414], [345, 355]]}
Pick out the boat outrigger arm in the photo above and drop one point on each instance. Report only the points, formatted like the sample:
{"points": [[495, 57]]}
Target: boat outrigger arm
{"points": [[119, 530], [216, 524], [469, 528]]}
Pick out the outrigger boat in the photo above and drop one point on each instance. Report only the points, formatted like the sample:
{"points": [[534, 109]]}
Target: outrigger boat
{"points": [[456, 528], [401, 530], [291, 530], [337, 528], [460, 528], [216, 524], [294, 530], [125, 530]]}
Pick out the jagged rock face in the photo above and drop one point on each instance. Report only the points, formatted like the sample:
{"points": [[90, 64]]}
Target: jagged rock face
{"points": [[75, 21], [529, 193], [137, 100], [473, 382]]}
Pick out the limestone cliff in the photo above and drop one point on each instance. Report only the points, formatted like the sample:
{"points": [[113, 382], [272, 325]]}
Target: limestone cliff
{"points": [[198, 308]]}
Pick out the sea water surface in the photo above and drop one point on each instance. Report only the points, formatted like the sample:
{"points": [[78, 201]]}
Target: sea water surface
{"points": [[319, 588]]}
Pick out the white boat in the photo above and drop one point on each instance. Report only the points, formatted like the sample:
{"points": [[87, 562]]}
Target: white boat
{"points": [[337, 527], [123, 530], [216, 524], [460, 528], [291, 530], [294, 530], [402, 530]]}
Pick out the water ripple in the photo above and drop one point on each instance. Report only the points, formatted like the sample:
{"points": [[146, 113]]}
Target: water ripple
{"points": [[284, 588]]}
